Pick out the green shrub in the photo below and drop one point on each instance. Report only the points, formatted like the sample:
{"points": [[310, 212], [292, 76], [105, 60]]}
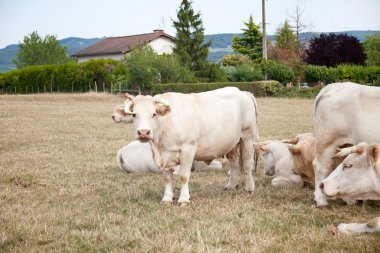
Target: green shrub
{"points": [[354, 73], [242, 73], [67, 77], [280, 72]]}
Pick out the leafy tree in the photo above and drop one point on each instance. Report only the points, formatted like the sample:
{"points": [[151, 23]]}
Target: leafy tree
{"points": [[334, 49], [35, 50], [372, 50], [285, 38], [190, 47], [250, 43]]}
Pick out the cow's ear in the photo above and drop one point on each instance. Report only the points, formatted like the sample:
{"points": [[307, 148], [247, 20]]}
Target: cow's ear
{"points": [[261, 148], [294, 150], [120, 110], [373, 154], [162, 106]]}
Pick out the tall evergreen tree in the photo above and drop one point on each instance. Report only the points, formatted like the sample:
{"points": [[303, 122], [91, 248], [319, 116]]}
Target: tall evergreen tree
{"points": [[285, 38], [190, 48], [250, 43], [35, 50], [372, 50]]}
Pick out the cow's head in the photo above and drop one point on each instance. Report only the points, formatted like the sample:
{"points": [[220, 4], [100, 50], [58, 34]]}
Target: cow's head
{"points": [[145, 111], [269, 159], [357, 177], [119, 115]]}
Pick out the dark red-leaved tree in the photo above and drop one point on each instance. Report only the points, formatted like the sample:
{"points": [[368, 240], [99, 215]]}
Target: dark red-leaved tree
{"points": [[333, 49]]}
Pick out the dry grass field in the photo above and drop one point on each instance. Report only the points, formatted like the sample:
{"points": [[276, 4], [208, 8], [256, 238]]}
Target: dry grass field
{"points": [[61, 191]]}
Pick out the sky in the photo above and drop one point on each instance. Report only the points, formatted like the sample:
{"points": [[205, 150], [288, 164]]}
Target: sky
{"points": [[99, 18]]}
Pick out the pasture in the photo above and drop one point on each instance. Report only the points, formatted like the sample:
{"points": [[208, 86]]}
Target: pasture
{"points": [[61, 190]]}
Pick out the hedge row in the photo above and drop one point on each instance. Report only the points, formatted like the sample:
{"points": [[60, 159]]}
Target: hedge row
{"points": [[69, 77], [259, 88], [359, 74]]}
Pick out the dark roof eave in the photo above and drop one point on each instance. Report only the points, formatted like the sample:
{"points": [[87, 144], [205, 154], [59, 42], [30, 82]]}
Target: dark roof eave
{"points": [[100, 53]]}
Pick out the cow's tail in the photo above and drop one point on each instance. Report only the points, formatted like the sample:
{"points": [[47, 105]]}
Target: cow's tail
{"points": [[256, 137], [119, 159]]}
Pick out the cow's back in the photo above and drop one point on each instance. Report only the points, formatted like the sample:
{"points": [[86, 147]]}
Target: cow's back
{"points": [[348, 111]]}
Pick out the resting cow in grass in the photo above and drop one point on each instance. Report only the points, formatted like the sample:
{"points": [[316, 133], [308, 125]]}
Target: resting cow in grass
{"points": [[290, 160], [344, 115], [201, 126], [356, 178], [137, 157]]}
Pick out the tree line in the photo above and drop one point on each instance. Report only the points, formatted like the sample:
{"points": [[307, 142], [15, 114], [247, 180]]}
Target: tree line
{"points": [[289, 57]]}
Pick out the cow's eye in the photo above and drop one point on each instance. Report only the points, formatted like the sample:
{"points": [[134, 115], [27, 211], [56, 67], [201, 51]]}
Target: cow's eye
{"points": [[346, 166], [154, 115]]}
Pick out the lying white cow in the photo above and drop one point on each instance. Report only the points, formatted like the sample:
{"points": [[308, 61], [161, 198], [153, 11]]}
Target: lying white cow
{"points": [[356, 178], [278, 161], [302, 149], [344, 115], [137, 157], [201, 126]]}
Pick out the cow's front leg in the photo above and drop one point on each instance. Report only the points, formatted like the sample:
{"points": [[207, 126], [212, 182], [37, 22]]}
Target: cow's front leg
{"points": [[168, 195], [186, 161], [321, 171]]}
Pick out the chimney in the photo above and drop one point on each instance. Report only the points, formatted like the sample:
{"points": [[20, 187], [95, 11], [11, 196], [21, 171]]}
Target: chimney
{"points": [[158, 30]]}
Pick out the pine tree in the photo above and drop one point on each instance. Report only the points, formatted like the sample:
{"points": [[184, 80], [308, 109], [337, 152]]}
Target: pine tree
{"points": [[190, 47], [250, 43], [285, 38]]}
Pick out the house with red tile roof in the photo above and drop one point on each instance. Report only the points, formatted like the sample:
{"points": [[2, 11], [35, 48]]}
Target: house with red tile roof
{"points": [[117, 47]]}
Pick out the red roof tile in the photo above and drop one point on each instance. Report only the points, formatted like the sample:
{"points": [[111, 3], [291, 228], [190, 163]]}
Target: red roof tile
{"points": [[117, 45]]}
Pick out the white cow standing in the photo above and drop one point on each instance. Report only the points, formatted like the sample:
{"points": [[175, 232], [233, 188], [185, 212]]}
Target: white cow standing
{"points": [[344, 115], [200, 126], [356, 178]]}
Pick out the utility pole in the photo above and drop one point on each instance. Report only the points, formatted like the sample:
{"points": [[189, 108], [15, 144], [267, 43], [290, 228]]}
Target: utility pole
{"points": [[265, 56]]}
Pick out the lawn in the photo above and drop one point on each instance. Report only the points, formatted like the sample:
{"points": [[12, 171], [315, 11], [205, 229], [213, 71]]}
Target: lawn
{"points": [[60, 189]]}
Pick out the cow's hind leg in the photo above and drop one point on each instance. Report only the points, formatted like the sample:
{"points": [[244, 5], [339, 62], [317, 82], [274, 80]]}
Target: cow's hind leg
{"points": [[246, 150], [233, 159]]}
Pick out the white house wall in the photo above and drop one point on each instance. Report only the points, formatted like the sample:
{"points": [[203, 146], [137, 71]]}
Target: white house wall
{"points": [[162, 45], [117, 57]]}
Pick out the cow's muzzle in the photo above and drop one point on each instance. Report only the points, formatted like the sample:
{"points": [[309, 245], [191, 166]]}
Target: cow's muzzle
{"points": [[143, 134]]}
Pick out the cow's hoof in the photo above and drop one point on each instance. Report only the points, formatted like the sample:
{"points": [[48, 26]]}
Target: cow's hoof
{"points": [[350, 202], [230, 187], [249, 189], [184, 204], [167, 203], [333, 229], [323, 207]]}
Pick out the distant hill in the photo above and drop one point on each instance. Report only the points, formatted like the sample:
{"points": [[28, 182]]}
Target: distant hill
{"points": [[221, 45]]}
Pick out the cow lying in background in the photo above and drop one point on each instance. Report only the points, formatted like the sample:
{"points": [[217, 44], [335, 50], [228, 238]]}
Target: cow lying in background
{"points": [[290, 160], [302, 148], [137, 157], [356, 178], [278, 162]]}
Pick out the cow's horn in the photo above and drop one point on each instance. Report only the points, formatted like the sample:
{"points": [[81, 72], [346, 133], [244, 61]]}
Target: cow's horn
{"points": [[290, 141], [129, 96], [346, 151], [161, 101]]}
